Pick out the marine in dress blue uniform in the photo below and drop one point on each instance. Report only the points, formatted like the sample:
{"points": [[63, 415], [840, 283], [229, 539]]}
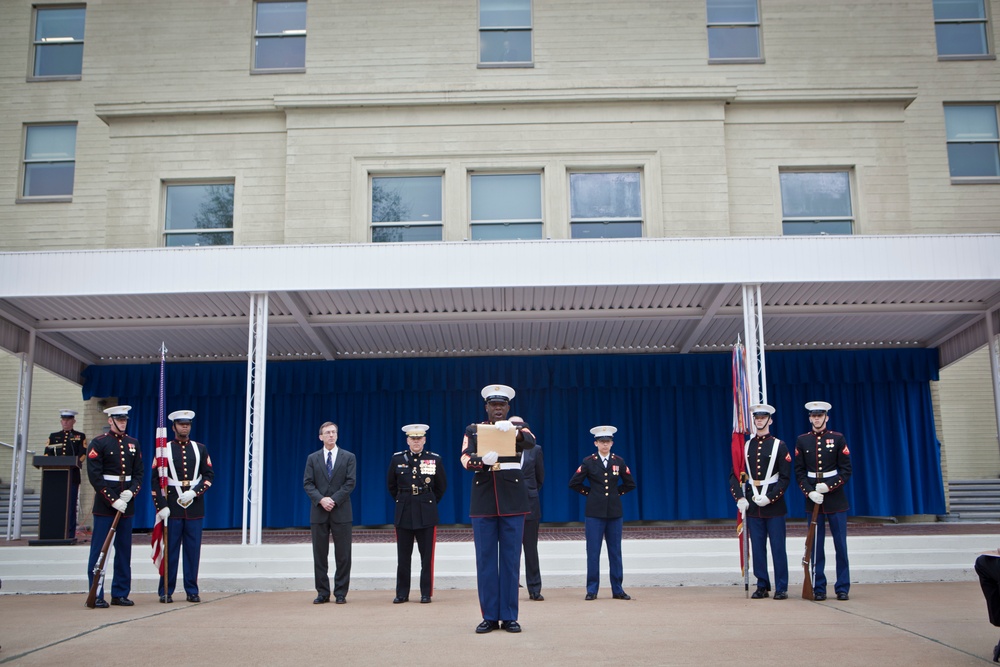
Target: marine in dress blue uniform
{"points": [[822, 468], [416, 480], [114, 467], [533, 467], [190, 475], [607, 479], [498, 505], [69, 442], [761, 495]]}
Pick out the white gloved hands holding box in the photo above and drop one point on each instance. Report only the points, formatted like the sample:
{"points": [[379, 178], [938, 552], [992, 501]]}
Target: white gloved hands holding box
{"points": [[489, 458]]}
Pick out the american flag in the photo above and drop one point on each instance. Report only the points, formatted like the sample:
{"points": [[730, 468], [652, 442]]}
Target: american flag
{"points": [[160, 467], [741, 428]]}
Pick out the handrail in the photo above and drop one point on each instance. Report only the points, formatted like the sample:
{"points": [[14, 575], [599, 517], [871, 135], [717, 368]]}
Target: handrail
{"points": [[4, 444]]}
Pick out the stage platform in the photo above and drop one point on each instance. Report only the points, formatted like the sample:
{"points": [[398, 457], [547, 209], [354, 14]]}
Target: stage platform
{"points": [[654, 555]]}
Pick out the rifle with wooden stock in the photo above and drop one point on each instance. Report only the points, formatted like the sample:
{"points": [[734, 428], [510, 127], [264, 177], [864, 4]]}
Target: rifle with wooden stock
{"points": [[101, 563], [807, 583]]}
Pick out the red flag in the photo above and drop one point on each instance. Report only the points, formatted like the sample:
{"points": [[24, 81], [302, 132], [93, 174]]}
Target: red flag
{"points": [[741, 427], [160, 468]]}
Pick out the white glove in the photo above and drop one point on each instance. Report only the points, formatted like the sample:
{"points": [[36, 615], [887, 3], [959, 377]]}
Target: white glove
{"points": [[762, 500], [163, 514], [822, 487], [489, 458], [120, 505], [503, 425], [816, 497], [185, 498], [742, 504], [126, 495]]}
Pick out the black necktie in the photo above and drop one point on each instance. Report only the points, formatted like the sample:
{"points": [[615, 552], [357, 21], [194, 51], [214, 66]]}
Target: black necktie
{"points": [[329, 464]]}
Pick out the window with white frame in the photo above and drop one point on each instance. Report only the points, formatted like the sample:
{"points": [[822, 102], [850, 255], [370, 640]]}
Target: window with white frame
{"points": [[57, 47], [733, 31], [605, 205], [279, 40], [406, 208], [816, 203], [49, 160], [973, 142], [198, 214], [505, 33], [961, 28], [505, 206]]}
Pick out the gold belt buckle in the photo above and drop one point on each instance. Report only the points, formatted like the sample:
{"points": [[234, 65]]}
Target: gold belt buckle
{"points": [[495, 467]]}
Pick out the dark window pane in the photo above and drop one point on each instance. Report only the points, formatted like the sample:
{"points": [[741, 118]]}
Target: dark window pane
{"points": [[504, 13], [199, 207], [214, 238], [732, 11], [605, 195], [505, 46], [525, 231], [959, 9], [606, 230], [733, 43], [58, 59], [48, 179], [961, 39], [60, 24], [824, 194], [816, 227], [981, 159], [406, 199], [276, 17], [280, 53], [406, 233]]}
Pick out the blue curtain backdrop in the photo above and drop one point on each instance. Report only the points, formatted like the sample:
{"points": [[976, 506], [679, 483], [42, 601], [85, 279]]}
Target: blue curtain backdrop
{"points": [[673, 413]]}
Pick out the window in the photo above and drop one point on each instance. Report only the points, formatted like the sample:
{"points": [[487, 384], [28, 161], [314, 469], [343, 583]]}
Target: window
{"points": [[49, 160], [279, 43], [733, 31], [505, 33], [506, 206], [199, 214], [605, 205], [414, 201], [973, 143], [58, 43], [960, 26], [816, 202]]}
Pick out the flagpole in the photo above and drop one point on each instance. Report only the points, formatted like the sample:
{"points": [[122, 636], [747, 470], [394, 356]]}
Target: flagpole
{"points": [[161, 541]]}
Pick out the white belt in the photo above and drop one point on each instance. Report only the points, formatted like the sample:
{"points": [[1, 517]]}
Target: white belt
{"points": [[505, 466], [113, 478], [825, 475], [770, 480], [184, 484]]}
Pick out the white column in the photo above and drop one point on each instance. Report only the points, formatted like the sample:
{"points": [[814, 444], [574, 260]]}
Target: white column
{"points": [[991, 336], [15, 507], [753, 332], [253, 470]]}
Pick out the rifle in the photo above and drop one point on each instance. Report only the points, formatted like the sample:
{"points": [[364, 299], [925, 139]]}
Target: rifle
{"points": [[807, 584], [101, 562]]}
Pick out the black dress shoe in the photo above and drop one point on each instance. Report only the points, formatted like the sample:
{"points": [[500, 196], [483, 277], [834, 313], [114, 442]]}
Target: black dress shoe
{"points": [[341, 599], [538, 597], [425, 599], [759, 594], [487, 626], [103, 604], [399, 599], [321, 599], [781, 595], [622, 596], [843, 597], [166, 598], [996, 651], [511, 626], [591, 596], [121, 602], [193, 598], [819, 597]]}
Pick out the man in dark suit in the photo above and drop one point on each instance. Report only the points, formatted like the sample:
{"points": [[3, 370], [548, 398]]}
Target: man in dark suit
{"points": [[988, 569], [189, 476], [331, 474], [416, 479], [69, 442], [608, 479], [533, 467], [822, 468], [761, 495]]}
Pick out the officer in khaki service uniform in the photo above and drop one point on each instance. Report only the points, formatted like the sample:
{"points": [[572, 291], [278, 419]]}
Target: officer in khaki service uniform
{"points": [[416, 480], [69, 442]]}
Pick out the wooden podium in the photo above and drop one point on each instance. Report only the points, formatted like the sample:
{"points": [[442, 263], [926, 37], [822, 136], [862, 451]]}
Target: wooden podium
{"points": [[57, 500]]}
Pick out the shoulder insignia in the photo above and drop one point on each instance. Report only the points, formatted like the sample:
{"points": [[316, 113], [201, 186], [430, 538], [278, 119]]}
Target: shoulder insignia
{"points": [[208, 460], [92, 454], [627, 471], [846, 451], [579, 470], [788, 457]]}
